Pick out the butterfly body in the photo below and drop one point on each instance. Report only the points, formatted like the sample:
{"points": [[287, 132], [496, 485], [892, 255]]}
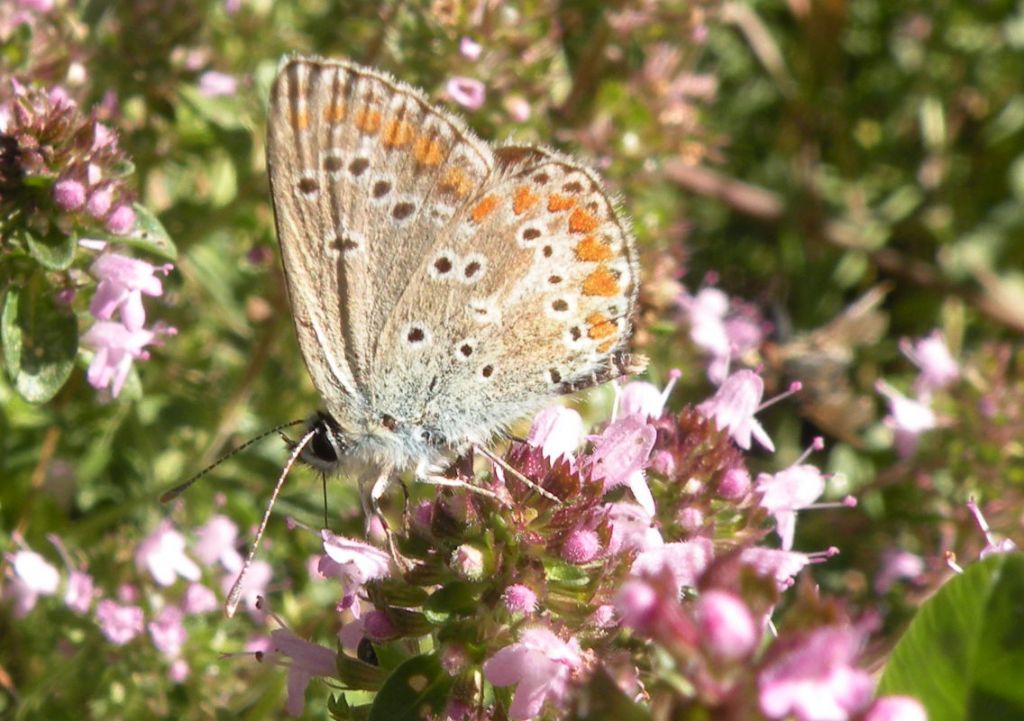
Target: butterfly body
{"points": [[441, 288]]}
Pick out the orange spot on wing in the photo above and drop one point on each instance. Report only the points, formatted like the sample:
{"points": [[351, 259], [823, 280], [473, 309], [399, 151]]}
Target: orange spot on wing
{"points": [[396, 134], [606, 346], [593, 250], [484, 208], [524, 200], [368, 120], [581, 221], [334, 113], [558, 202], [599, 326], [457, 181], [601, 282], [427, 151], [300, 120]]}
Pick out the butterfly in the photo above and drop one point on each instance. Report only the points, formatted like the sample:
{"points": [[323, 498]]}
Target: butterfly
{"points": [[442, 288]]}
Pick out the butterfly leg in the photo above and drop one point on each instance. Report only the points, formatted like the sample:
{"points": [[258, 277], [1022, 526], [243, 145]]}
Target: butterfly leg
{"points": [[431, 475], [371, 509]]}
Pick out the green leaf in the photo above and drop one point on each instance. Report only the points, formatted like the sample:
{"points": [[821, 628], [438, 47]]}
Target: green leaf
{"points": [[566, 574], [54, 251], [962, 655], [416, 688], [358, 674], [461, 597], [40, 340], [149, 235]]}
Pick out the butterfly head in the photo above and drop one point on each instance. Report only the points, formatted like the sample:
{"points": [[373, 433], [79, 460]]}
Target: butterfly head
{"points": [[329, 445]]}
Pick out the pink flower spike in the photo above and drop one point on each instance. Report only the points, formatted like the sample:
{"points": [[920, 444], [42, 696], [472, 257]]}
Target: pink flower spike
{"points": [[306, 660], [540, 665], [725, 625], [469, 48], [896, 708], [120, 624], [733, 407], [122, 282], [558, 431], [781, 565], [162, 553], [69, 194], [467, 92], [213, 84], [816, 680], [907, 418], [80, 591], [168, 631]]}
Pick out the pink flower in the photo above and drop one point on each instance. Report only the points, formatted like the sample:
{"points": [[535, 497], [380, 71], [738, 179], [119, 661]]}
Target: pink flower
{"points": [[991, 545], [100, 200], [541, 665], [467, 92], [178, 670], [632, 528], [733, 407], [684, 560], [735, 484], [162, 553], [120, 624], [469, 48], [621, 453], [907, 418], [558, 431], [468, 561], [938, 367], [34, 576], [816, 680], [646, 399], [215, 543], [896, 708], [305, 660], [199, 599], [519, 598], [897, 564], [725, 625], [353, 564], [168, 631], [786, 492], [254, 584], [69, 194], [122, 220], [781, 565], [116, 348], [123, 280], [213, 84], [80, 591], [580, 546]]}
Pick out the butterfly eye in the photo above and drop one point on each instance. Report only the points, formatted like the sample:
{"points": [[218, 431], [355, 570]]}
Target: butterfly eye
{"points": [[321, 445]]}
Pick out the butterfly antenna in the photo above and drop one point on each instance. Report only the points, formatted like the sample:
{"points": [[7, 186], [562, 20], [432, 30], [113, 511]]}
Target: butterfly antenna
{"points": [[236, 590], [173, 493]]}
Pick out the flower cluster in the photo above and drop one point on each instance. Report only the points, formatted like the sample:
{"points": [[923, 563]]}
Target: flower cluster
{"points": [[649, 528], [59, 168]]}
